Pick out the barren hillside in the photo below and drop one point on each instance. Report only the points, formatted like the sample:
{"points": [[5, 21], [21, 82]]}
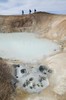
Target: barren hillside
{"points": [[49, 25]]}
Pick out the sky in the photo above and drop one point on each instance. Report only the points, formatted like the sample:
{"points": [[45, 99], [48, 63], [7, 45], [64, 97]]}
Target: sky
{"points": [[15, 7]]}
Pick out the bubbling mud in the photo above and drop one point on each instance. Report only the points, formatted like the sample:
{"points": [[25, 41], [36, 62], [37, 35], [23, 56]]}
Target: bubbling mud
{"points": [[32, 80]]}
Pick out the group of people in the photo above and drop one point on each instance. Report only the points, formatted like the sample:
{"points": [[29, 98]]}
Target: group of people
{"points": [[29, 11]]}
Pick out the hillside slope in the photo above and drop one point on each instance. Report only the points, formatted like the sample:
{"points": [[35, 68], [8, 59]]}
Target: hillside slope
{"points": [[40, 22]]}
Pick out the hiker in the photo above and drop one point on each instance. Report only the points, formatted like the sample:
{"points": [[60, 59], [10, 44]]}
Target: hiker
{"points": [[22, 12], [30, 11], [34, 10]]}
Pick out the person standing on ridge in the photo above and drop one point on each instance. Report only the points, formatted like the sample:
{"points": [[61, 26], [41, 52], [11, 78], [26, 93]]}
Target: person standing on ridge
{"points": [[34, 10], [22, 12], [30, 11]]}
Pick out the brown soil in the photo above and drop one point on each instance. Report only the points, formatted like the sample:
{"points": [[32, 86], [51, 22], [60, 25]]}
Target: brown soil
{"points": [[6, 88]]}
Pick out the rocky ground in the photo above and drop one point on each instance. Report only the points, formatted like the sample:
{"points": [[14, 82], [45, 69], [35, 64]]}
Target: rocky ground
{"points": [[49, 26]]}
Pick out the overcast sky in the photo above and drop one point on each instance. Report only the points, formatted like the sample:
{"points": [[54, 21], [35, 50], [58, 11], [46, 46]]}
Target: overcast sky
{"points": [[10, 7]]}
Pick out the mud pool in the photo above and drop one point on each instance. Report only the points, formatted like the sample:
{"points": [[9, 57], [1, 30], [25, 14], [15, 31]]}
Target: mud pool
{"points": [[32, 80]]}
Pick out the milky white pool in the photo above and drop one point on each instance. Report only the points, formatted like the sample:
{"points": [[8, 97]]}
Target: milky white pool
{"points": [[25, 46]]}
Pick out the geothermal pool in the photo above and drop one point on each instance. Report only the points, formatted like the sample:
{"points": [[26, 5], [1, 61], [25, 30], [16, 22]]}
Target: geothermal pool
{"points": [[25, 46]]}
